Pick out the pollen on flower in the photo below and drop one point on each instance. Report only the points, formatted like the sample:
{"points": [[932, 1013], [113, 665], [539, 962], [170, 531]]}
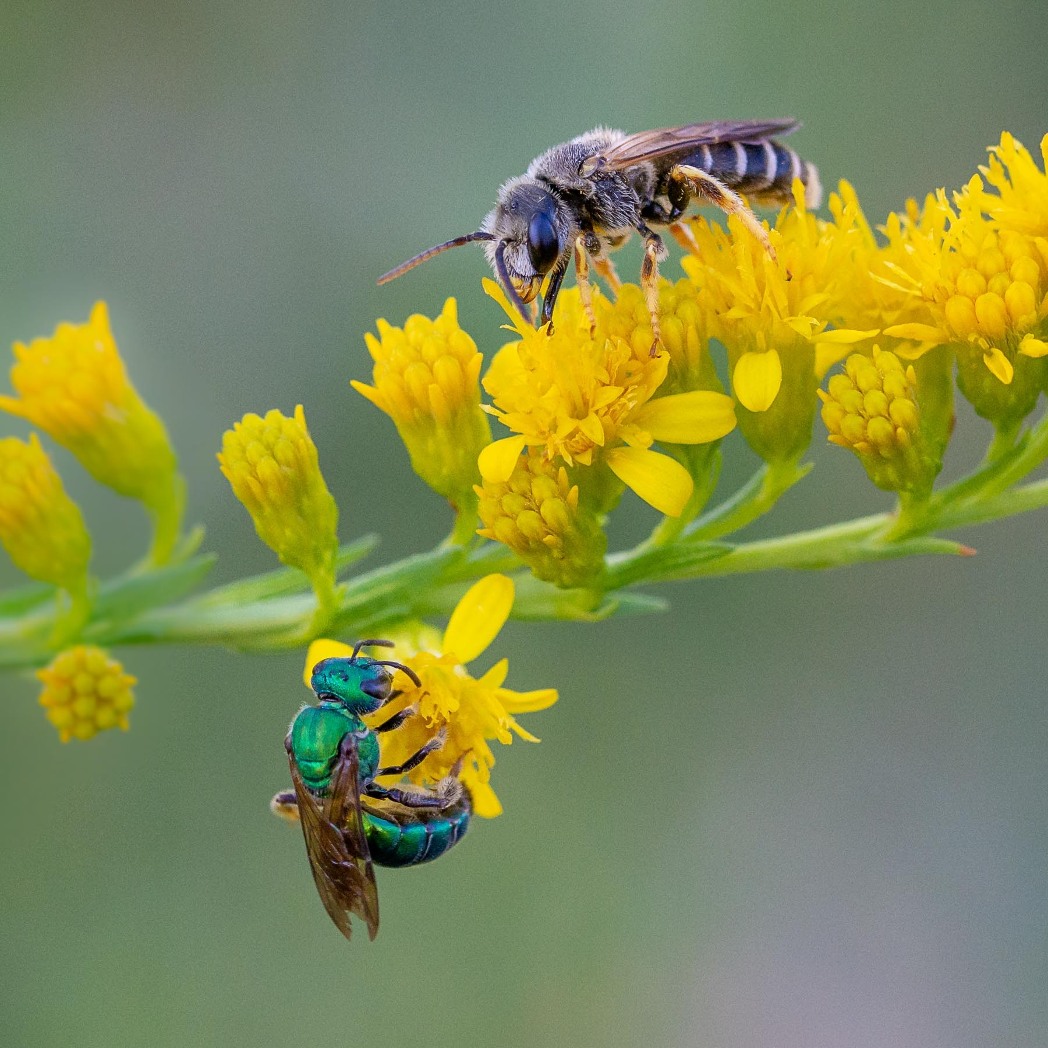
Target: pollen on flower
{"points": [[74, 387], [426, 378], [872, 409], [85, 692], [40, 526], [272, 465], [536, 513]]}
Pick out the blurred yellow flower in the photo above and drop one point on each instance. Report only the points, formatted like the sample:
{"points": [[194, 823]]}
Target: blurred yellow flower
{"points": [[85, 692], [74, 387], [41, 527], [272, 465]]}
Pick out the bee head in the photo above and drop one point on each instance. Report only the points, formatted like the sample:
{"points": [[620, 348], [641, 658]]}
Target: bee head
{"points": [[532, 233]]}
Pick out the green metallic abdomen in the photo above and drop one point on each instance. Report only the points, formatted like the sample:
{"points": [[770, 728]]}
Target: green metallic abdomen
{"points": [[419, 836]]}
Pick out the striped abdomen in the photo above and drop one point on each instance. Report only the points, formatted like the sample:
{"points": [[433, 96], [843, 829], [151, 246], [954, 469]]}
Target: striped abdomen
{"points": [[763, 170], [406, 839]]}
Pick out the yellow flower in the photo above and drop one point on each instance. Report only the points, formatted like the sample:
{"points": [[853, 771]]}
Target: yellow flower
{"points": [[588, 399], [872, 408], [274, 471], [85, 692], [426, 379], [74, 387], [537, 514], [40, 525], [475, 711], [1021, 200], [775, 315]]}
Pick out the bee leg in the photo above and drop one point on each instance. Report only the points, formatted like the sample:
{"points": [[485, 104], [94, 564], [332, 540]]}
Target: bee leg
{"points": [[719, 195], [409, 798], [606, 269], [583, 280], [654, 250], [285, 804], [549, 299], [397, 719], [416, 758], [681, 232]]}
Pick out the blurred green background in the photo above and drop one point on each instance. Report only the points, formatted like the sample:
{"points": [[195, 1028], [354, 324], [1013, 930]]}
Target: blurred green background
{"points": [[798, 810]]}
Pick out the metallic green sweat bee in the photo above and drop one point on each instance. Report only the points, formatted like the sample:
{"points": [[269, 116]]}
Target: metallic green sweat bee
{"points": [[350, 821]]}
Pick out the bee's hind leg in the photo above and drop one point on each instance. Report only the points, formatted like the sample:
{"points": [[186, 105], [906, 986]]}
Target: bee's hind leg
{"points": [[285, 804], [719, 195]]}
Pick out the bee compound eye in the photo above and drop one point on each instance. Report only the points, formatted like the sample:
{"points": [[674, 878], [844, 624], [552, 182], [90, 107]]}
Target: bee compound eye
{"points": [[543, 246]]}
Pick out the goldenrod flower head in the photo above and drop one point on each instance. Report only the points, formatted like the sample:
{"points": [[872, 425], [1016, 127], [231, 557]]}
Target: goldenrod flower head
{"points": [[588, 399], [1021, 199], [475, 711], [775, 315], [536, 513], [426, 379], [85, 692], [985, 288], [40, 525], [272, 466], [872, 409], [74, 387]]}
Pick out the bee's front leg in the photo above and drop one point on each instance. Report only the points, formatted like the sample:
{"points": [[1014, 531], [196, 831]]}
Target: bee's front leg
{"points": [[582, 279], [719, 195]]}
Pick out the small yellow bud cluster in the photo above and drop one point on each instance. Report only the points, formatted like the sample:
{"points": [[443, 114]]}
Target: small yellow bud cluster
{"points": [[872, 409], [74, 387], [273, 468], [85, 692], [536, 513], [427, 379], [993, 293], [40, 525]]}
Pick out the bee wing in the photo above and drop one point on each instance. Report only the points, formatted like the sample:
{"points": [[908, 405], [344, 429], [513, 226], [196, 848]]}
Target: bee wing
{"points": [[336, 845], [670, 141]]}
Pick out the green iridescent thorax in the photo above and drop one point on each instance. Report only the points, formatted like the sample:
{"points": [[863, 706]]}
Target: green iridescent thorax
{"points": [[316, 734], [360, 684]]}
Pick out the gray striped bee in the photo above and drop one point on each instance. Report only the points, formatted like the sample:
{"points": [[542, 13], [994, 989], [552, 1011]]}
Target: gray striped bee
{"points": [[587, 197]]}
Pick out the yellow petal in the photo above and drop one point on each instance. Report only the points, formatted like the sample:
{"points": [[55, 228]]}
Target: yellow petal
{"points": [[1033, 347], [527, 701], [478, 617], [756, 379], [916, 332], [661, 481], [688, 418], [495, 677], [845, 336], [323, 649], [1000, 366], [498, 459], [485, 803]]}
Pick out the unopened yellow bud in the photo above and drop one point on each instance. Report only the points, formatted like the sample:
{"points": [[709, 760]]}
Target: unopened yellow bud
{"points": [[427, 379], [872, 409], [40, 525], [74, 387], [273, 468], [85, 692], [536, 513]]}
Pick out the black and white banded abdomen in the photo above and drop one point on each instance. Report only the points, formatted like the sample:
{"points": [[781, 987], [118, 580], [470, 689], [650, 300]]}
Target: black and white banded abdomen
{"points": [[763, 170]]}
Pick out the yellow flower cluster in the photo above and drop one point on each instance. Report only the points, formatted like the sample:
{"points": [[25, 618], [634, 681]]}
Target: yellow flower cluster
{"points": [[272, 465], [85, 692]]}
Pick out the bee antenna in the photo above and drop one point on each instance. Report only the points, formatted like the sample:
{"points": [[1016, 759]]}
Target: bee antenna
{"points": [[507, 284], [424, 256], [370, 644], [407, 671]]}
